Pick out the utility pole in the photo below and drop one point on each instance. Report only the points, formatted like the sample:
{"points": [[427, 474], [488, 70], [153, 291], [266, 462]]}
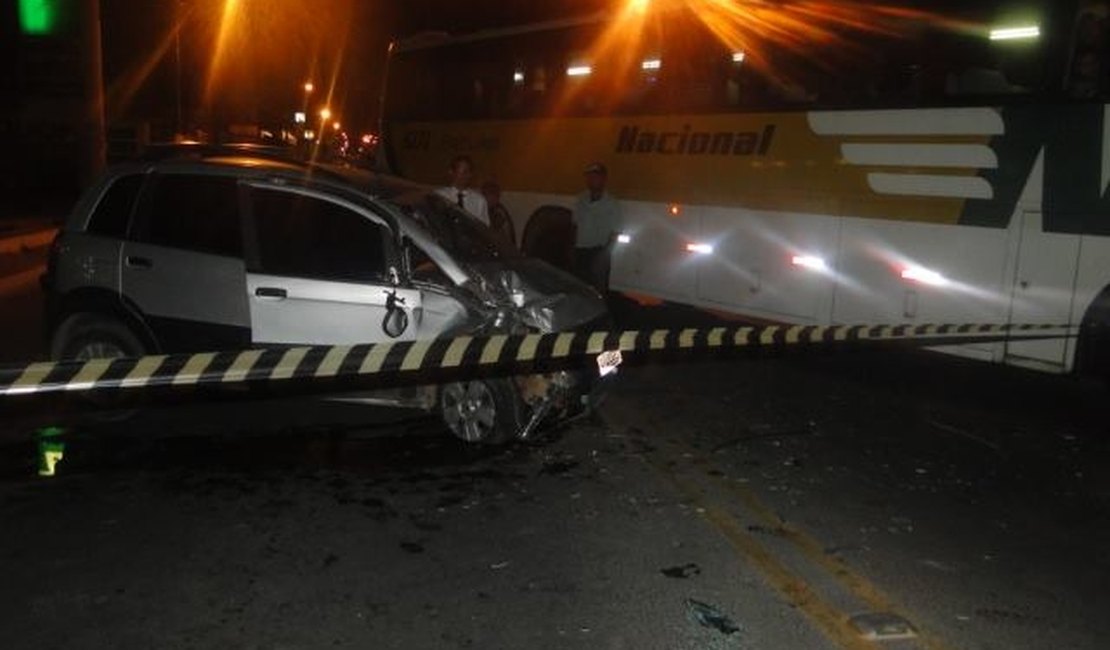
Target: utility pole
{"points": [[92, 123], [179, 24]]}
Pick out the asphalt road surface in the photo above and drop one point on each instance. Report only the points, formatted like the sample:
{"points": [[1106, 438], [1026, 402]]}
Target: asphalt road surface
{"points": [[802, 502]]}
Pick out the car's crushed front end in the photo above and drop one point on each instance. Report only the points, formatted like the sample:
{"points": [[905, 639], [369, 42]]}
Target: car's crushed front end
{"points": [[505, 293]]}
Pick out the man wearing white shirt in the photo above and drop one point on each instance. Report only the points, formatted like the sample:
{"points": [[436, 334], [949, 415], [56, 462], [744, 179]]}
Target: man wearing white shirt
{"points": [[597, 218], [459, 191]]}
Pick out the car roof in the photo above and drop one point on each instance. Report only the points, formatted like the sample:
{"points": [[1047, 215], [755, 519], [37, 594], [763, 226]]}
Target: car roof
{"points": [[265, 162]]}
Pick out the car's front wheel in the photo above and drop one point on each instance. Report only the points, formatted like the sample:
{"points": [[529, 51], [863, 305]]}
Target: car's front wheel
{"points": [[487, 411]]}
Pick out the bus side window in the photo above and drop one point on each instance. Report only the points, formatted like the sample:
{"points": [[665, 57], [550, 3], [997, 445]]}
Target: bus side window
{"points": [[1087, 70], [981, 71]]}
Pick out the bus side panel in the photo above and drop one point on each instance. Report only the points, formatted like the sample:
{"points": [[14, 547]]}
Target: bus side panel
{"points": [[973, 263], [752, 267], [655, 260]]}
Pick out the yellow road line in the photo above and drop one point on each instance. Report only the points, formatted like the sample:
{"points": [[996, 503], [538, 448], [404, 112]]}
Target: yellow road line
{"points": [[812, 550], [829, 620]]}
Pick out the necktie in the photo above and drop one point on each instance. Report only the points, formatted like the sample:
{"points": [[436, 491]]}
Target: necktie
{"points": [[461, 200]]}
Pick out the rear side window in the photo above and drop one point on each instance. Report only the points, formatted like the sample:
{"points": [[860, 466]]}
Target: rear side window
{"points": [[305, 237], [193, 212], [113, 211]]}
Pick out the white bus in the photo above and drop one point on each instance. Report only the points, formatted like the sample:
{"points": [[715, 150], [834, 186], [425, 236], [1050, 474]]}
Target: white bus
{"points": [[804, 166]]}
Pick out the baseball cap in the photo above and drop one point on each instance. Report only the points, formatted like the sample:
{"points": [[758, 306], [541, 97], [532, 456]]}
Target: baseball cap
{"points": [[595, 168]]}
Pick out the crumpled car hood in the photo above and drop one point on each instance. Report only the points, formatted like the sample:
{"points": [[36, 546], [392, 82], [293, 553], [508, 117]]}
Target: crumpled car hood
{"points": [[554, 300]]}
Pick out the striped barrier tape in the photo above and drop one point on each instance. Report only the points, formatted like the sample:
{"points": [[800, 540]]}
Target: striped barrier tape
{"points": [[395, 364]]}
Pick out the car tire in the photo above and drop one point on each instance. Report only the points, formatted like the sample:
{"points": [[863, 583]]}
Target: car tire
{"points": [[486, 411], [83, 337], [90, 336]]}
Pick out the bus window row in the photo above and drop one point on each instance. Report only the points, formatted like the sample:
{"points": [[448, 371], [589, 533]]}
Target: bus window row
{"points": [[564, 72]]}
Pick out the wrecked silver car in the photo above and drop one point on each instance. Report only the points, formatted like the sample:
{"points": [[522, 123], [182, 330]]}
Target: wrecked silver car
{"points": [[473, 283], [202, 249]]}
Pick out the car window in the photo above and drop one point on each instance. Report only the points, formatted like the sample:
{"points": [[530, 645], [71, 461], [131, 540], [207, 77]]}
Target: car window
{"points": [[302, 236], [193, 212], [113, 211]]}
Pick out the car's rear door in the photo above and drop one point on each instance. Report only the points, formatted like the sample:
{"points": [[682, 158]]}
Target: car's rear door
{"points": [[183, 265], [320, 271]]}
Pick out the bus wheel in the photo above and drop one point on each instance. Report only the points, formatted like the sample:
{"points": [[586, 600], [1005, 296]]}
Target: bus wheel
{"points": [[549, 236], [1092, 354]]}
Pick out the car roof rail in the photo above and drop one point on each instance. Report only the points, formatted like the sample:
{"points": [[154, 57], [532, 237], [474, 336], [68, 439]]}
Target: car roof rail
{"points": [[158, 152]]}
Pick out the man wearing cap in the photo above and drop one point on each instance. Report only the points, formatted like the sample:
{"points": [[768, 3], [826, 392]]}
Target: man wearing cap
{"points": [[597, 218], [459, 192]]}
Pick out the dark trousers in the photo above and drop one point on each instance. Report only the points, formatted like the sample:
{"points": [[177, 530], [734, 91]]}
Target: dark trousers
{"points": [[591, 265]]}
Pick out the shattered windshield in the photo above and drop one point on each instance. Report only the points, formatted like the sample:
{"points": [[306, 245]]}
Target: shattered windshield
{"points": [[466, 238]]}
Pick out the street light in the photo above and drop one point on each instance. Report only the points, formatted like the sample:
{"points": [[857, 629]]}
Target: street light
{"points": [[309, 87], [325, 114]]}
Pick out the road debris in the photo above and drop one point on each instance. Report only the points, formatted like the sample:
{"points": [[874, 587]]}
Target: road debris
{"points": [[882, 626], [684, 571], [709, 616]]}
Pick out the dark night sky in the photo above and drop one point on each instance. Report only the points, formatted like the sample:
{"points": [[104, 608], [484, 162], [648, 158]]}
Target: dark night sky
{"points": [[281, 43], [286, 41]]}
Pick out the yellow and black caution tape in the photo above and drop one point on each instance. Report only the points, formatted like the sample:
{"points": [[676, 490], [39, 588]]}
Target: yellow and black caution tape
{"points": [[393, 364]]}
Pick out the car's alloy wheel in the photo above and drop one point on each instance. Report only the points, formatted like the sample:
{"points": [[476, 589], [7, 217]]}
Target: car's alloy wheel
{"points": [[487, 411], [470, 411], [99, 350]]}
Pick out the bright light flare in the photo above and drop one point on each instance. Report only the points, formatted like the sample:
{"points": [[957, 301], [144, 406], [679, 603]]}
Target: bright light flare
{"points": [[1027, 32], [299, 117], [624, 238], [811, 262], [924, 276], [674, 210], [518, 77], [750, 28], [579, 71], [700, 249], [325, 114], [651, 64], [244, 45]]}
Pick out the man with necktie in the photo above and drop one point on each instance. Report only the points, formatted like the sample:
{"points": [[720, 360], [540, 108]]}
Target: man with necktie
{"points": [[459, 191]]}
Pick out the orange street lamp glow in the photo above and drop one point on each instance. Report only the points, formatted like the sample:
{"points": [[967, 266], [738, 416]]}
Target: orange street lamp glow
{"points": [[309, 86], [325, 114]]}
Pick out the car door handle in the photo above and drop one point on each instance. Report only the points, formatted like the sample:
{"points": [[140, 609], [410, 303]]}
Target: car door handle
{"points": [[275, 293], [135, 262]]}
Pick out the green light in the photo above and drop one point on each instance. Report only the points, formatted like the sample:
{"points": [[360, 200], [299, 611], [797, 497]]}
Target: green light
{"points": [[52, 448], [38, 17]]}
